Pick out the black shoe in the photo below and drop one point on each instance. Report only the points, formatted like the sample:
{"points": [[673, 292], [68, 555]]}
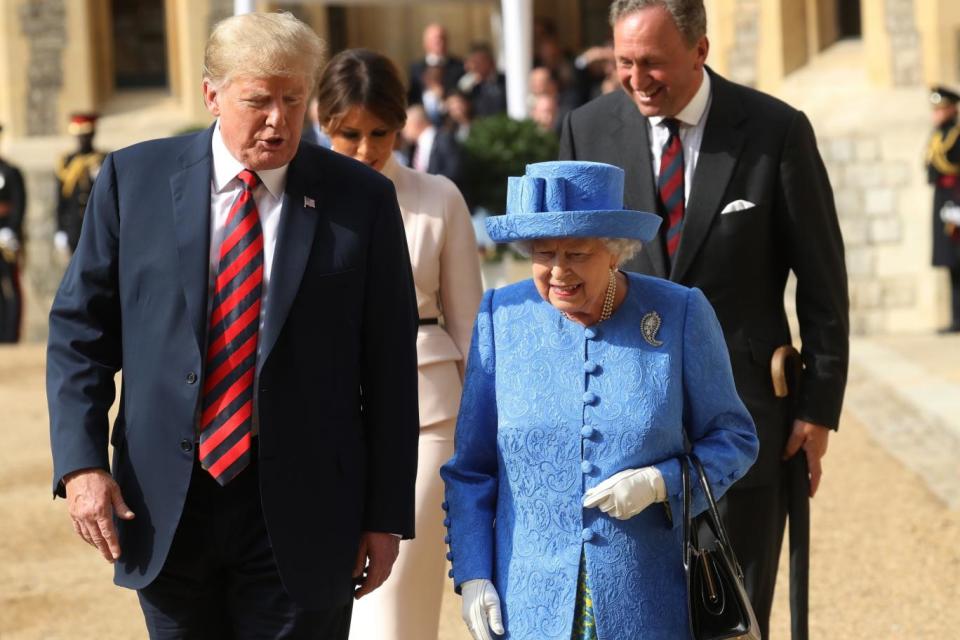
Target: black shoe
{"points": [[951, 329]]}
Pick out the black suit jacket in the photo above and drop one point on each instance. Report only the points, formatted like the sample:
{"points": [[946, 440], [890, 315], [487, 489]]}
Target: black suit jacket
{"points": [[337, 390], [452, 70], [758, 149], [446, 157]]}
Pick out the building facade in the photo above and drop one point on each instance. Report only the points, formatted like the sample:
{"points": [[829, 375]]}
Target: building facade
{"points": [[859, 69]]}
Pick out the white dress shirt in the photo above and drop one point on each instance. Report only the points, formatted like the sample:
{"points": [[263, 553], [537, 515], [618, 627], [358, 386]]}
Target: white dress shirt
{"points": [[693, 120], [421, 155], [225, 188]]}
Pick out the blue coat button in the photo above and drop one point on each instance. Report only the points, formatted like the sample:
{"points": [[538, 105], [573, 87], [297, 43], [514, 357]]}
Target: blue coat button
{"points": [[446, 539], [589, 397], [445, 506], [587, 535], [450, 573], [586, 431], [586, 467], [450, 555], [589, 333], [589, 366], [446, 522]]}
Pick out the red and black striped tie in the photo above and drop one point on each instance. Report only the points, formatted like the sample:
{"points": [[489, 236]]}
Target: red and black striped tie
{"points": [[670, 185], [225, 423]]}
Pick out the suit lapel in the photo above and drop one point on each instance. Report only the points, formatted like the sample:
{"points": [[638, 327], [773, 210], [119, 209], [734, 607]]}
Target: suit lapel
{"points": [[719, 151], [298, 223], [631, 140], [190, 189]]}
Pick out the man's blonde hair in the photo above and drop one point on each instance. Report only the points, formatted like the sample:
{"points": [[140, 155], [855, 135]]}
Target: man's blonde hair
{"points": [[262, 45]]}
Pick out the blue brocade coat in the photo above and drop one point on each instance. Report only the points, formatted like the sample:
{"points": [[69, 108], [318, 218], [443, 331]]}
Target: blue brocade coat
{"points": [[551, 408]]}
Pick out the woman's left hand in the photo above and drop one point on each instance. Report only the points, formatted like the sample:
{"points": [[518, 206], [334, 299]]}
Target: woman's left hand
{"points": [[625, 494]]}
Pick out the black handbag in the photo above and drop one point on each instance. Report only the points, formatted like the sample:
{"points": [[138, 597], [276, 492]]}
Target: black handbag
{"points": [[717, 603]]}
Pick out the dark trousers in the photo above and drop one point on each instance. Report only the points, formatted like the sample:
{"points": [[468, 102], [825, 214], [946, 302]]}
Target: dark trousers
{"points": [[755, 518], [955, 297], [11, 301], [220, 579]]}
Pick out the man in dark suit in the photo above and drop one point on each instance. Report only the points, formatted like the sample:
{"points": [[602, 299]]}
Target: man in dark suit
{"points": [[943, 172], [75, 174], [432, 149], [13, 207], [435, 54], [256, 292], [737, 177], [486, 87]]}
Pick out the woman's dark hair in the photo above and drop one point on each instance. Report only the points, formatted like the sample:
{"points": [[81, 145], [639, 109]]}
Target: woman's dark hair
{"points": [[364, 78]]}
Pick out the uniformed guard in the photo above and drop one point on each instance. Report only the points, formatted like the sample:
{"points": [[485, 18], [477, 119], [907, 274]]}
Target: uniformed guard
{"points": [[13, 205], [76, 172], [943, 171]]}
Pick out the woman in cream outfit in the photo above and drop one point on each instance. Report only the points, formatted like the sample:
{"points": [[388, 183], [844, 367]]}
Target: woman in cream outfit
{"points": [[362, 108]]}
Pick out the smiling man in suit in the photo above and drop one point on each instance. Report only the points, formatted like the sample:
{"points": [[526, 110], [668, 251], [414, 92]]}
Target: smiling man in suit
{"points": [[745, 199], [257, 295]]}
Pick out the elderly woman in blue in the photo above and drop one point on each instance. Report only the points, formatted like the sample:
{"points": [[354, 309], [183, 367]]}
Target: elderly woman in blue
{"points": [[584, 387]]}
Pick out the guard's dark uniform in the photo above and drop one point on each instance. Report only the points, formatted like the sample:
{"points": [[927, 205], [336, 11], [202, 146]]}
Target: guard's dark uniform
{"points": [[13, 205], [76, 172], [943, 172]]}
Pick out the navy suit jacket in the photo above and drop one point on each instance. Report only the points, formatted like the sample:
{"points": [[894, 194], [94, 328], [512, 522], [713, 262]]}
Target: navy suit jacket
{"points": [[337, 390]]}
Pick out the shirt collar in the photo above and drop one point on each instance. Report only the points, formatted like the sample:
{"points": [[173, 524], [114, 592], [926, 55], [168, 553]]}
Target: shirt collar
{"points": [[226, 168], [691, 114]]}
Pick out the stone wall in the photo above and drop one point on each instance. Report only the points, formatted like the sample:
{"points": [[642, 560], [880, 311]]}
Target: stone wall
{"points": [[43, 24], [742, 57], [906, 58], [867, 188]]}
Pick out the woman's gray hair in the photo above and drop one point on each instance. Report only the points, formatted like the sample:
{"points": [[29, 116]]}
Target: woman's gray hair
{"points": [[262, 45], [690, 16], [622, 248]]}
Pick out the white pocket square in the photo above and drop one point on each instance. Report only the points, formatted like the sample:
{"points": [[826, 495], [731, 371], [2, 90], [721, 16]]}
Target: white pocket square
{"points": [[737, 205]]}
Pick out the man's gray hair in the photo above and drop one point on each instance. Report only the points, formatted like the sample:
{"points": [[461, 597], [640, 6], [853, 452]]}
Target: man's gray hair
{"points": [[263, 45], [690, 16]]}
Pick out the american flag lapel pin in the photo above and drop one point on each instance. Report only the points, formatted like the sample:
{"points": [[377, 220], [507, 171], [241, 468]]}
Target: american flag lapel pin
{"points": [[309, 202]]}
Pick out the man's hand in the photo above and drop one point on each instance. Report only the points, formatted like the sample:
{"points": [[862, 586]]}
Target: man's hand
{"points": [[813, 439], [92, 498], [381, 549]]}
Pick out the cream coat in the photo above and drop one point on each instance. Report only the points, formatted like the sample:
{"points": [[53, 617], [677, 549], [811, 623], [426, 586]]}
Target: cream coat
{"points": [[446, 273]]}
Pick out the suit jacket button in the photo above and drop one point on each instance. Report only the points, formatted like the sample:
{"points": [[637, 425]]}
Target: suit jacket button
{"points": [[586, 467], [586, 535], [191, 378], [450, 573], [186, 445]]}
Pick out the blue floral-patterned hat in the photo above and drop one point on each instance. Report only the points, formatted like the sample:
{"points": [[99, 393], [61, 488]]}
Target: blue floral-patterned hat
{"points": [[569, 199]]}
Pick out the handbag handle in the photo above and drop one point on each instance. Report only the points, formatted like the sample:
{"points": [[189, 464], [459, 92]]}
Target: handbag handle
{"points": [[716, 523]]}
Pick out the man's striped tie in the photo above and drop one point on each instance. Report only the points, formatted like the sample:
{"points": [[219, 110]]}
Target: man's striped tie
{"points": [[225, 423], [670, 185]]}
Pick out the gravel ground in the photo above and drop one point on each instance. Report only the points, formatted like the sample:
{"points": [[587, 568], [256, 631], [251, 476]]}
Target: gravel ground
{"points": [[885, 563]]}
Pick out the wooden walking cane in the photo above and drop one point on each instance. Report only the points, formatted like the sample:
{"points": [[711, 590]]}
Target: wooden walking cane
{"points": [[786, 368]]}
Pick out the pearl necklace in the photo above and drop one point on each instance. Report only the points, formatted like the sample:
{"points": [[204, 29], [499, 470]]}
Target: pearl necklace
{"points": [[607, 310]]}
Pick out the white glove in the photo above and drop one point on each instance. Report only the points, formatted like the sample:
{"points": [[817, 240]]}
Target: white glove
{"points": [[8, 240], [481, 609], [625, 494], [60, 241]]}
